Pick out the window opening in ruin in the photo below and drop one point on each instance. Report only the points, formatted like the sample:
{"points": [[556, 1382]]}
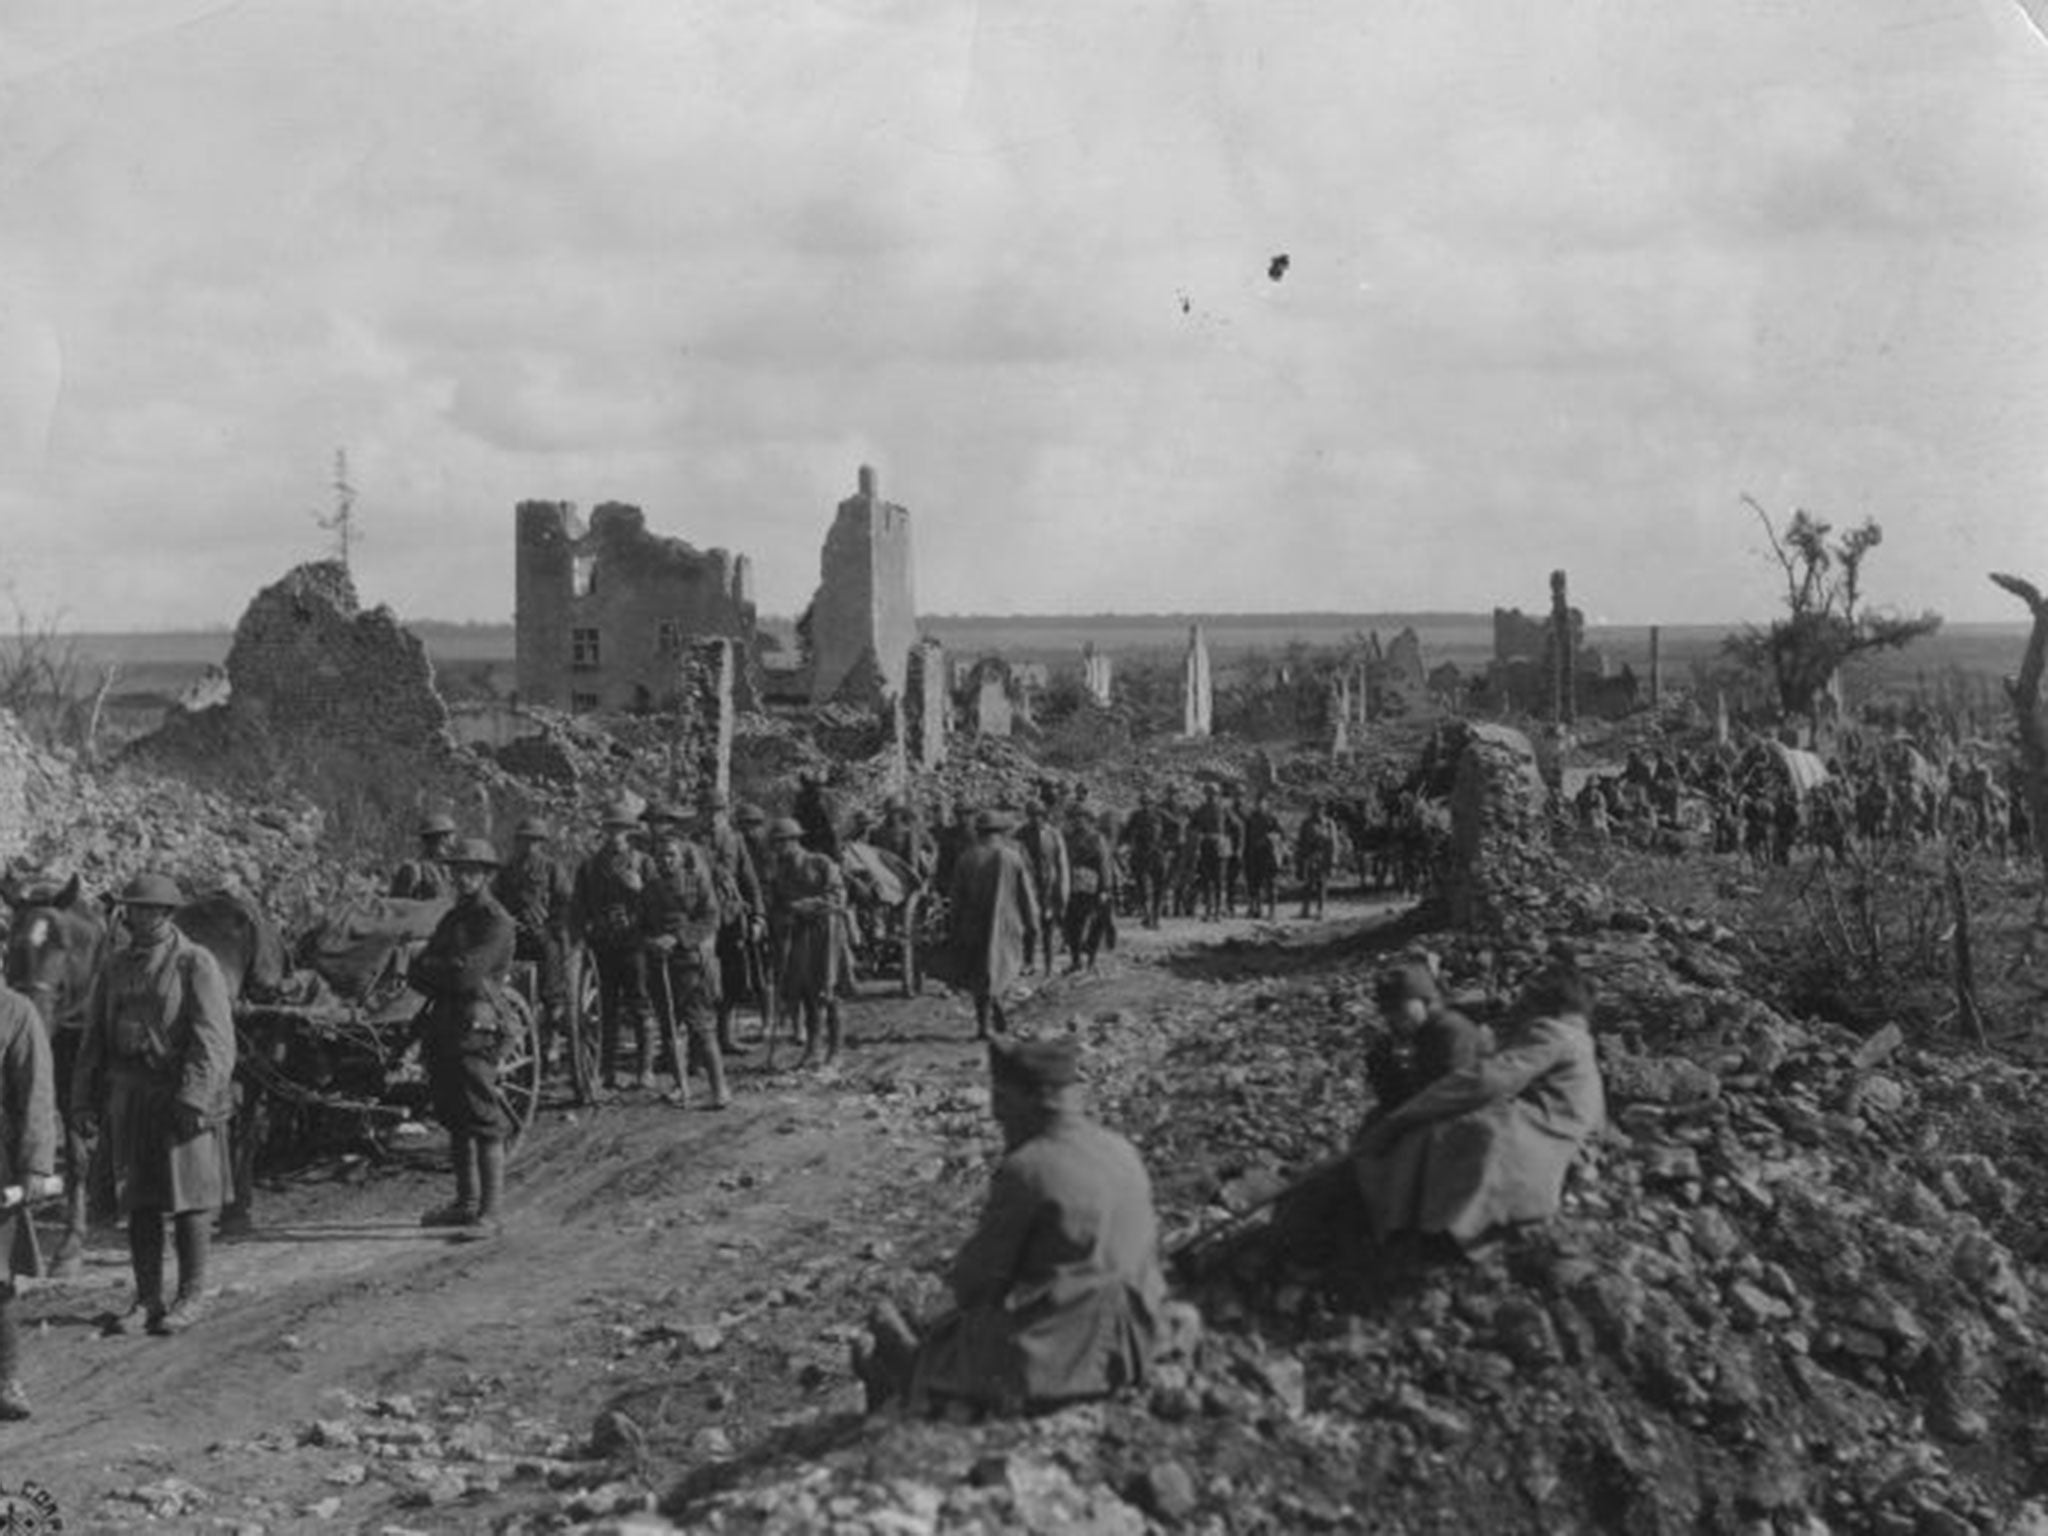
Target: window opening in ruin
{"points": [[643, 700], [583, 703], [583, 575], [668, 638], [583, 650]]}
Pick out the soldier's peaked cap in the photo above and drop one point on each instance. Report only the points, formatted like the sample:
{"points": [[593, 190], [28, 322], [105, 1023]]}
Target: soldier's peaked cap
{"points": [[440, 824], [784, 830], [475, 852], [534, 827], [1037, 1064], [992, 821], [1398, 983], [150, 889], [751, 816], [620, 813], [668, 811]]}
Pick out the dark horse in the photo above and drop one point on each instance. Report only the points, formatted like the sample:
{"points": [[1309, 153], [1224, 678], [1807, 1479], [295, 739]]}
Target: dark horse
{"points": [[55, 944]]}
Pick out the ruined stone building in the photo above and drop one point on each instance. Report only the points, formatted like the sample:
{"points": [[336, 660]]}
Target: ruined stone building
{"points": [[1529, 675], [863, 622], [607, 613]]}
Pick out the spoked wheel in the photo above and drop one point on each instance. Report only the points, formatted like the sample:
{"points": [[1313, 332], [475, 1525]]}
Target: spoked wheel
{"points": [[519, 1068], [586, 1001]]}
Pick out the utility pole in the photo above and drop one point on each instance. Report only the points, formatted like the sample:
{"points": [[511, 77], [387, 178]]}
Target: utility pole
{"points": [[341, 522]]}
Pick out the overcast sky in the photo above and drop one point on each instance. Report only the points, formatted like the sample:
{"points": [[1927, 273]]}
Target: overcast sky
{"points": [[1564, 280]]}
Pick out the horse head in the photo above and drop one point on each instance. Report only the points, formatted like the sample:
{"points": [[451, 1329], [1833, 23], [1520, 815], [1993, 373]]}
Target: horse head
{"points": [[54, 944]]}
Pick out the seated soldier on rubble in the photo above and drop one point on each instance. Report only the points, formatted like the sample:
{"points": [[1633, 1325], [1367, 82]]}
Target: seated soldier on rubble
{"points": [[1488, 1146], [1424, 1039], [1058, 1292]]}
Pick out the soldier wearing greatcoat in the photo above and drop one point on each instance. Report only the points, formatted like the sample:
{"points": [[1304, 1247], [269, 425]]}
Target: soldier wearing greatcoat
{"points": [[680, 915], [156, 1071], [806, 905], [535, 888], [743, 909], [28, 1159], [463, 971], [607, 913]]}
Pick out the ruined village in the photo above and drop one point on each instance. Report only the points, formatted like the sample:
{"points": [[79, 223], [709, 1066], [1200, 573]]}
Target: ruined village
{"points": [[1142, 769], [1791, 1283]]}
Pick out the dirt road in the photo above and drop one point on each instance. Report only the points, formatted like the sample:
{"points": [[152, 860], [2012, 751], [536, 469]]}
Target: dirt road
{"points": [[698, 1271]]}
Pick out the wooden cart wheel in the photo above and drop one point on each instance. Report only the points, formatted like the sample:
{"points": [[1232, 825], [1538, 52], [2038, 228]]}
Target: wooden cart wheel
{"points": [[586, 1003], [519, 1068]]}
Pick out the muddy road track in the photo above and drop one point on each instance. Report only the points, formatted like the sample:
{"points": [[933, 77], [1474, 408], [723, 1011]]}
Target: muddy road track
{"points": [[699, 1270]]}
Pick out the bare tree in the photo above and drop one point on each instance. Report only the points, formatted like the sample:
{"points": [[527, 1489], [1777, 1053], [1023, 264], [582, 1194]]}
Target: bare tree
{"points": [[2024, 692], [1825, 622], [341, 522]]}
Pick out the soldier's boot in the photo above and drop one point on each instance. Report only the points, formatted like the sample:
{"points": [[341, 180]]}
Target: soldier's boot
{"points": [[462, 1210], [714, 1071], [13, 1401], [643, 1059], [833, 1038], [146, 1255], [193, 1233], [490, 1164], [608, 1051], [810, 1028], [727, 1042]]}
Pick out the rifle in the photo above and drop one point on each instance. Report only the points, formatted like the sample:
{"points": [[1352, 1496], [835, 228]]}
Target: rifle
{"points": [[1182, 1256]]}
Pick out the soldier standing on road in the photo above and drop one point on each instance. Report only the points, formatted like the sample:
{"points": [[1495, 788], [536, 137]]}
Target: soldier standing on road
{"points": [[743, 909], [1210, 826], [1315, 854], [806, 899], [1146, 836], [1092, 888], [535, 888], [680, 915], [28, 1160], [607, 914], [426, 877], [994, 905], [1263, 840], [1045, 852], [158, 1063], [463, 971]]}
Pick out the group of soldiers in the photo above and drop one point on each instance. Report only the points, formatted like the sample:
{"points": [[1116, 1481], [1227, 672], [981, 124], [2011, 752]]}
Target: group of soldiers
{"points": [[1753, 806]]}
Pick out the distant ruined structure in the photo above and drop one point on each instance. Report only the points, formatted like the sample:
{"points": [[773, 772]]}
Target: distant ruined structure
{"points": [[863, 622], [1544, 667], [1095, 674], [606, 614], [1198, 698]]}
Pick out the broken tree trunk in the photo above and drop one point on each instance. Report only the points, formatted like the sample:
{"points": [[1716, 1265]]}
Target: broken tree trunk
{"points": [[2024, 693]]}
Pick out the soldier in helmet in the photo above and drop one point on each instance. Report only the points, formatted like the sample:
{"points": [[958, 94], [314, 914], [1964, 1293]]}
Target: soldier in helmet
{"points": [[463, 971], [679, 916], [156, 1069], [28, 1161], [535, 888], [743, 909], [607, 914], [426, 877], [806, 902]]}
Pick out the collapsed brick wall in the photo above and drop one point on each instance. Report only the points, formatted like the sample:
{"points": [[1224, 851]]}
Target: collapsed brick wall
{"points": [[307, 661], [603, 614], [21, 765], [1500, 858], [704, 715]]}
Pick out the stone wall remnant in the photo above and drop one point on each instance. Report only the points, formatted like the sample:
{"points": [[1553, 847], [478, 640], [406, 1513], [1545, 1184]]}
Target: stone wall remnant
{"points": [[705, 688], [1499, 833], [308, 663], [989, 705], [927, 708], [1404, 685], [605, 613], [1198, 699], [863, 621], [1095, 674]]}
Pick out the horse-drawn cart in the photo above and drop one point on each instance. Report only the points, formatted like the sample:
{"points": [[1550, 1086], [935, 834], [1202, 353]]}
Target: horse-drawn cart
{"points": [[349, 1050], [898, 918]]}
